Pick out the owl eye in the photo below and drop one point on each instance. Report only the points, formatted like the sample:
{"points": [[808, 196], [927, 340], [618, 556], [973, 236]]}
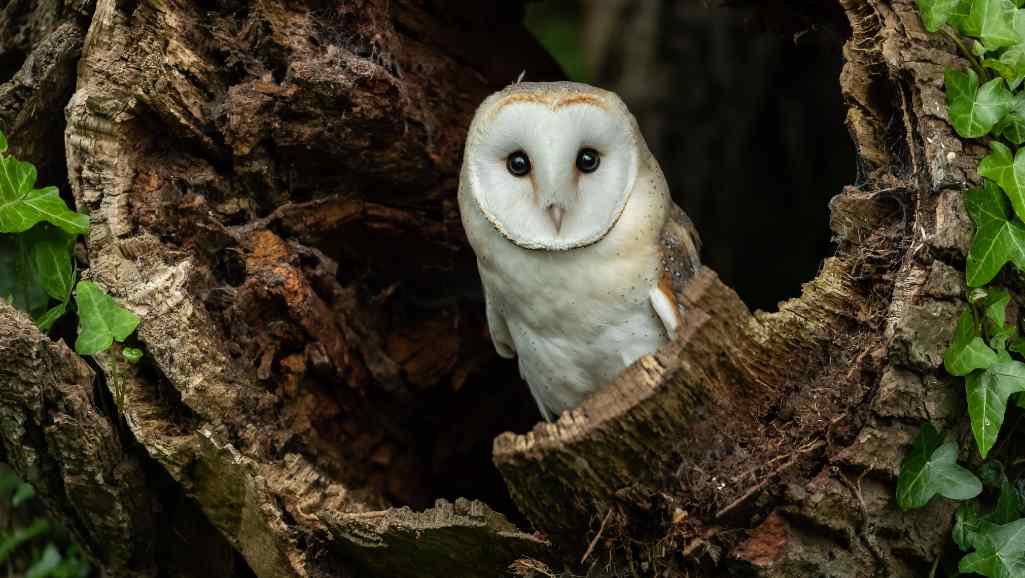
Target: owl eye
{"points": [[518, 163], [588, 160]]}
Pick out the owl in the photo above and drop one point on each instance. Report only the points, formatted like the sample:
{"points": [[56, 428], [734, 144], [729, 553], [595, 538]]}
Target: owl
{"points": [[580, 248]]}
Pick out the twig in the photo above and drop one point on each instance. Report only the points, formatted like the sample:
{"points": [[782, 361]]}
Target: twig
{"points": [[983, 75], [760, 485], [590, 547]]}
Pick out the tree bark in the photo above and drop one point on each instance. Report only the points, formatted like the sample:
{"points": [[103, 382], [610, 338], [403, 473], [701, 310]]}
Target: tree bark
{"points": [[271, 187]]}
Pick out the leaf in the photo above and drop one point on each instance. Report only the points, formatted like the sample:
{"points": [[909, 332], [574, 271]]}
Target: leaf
{"points": [[992, 474], [20, 536], [22, 206], [959, 14], [1007, 172], [1017, 345], [51, 260], [1010, 65], [929, 470], [131, 354], [999, 551], [975, 110], [987, 393], [936, 12], [1012, 126], [73, 565], [997, 240], [52, 315], [46, 565], [1008, 507], [100, 319], [979, 49], [24, 493], [992, 22], [966, 525], [17, 283], [967, 352], [994, 308]]}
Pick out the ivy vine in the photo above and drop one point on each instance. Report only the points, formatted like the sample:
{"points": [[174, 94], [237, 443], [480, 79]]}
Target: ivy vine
{"points": [[985, 100], [37, 269]]}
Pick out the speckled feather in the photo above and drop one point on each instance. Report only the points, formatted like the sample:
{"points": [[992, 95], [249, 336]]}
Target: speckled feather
{"points": [[679, 250]]}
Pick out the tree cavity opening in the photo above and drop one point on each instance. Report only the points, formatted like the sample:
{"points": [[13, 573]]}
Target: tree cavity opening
{"points": [[742, 108]]}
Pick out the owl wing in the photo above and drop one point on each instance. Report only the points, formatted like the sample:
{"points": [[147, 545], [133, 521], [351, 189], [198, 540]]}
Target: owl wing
{"points": [[500, 335], [679, 247]]}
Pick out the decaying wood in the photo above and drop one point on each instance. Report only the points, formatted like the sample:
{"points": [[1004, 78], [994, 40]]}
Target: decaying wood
{"points": [[271, 188], [60, 437], [716, 382]]}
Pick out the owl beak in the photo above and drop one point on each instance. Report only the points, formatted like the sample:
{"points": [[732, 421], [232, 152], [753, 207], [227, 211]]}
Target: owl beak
{"points": [[555, 213]]}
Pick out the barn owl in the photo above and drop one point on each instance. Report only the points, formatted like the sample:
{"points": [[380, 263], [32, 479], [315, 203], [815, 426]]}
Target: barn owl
{"points": [[580, 248]]}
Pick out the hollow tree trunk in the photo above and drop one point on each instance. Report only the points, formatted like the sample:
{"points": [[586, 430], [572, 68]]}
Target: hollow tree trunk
{"points": [[271, 188]]}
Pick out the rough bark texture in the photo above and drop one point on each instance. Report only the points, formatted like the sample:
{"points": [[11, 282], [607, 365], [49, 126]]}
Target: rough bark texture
{"points": [[271, 187]]}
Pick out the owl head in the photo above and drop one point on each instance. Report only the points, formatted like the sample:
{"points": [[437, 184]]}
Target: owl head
{"points": [[551, 165]]}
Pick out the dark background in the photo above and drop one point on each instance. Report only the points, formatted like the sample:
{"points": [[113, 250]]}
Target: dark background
{"points": [[743, 112]]}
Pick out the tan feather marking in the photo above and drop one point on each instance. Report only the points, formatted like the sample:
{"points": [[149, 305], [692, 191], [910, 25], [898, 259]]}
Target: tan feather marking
{"points": [[579, 99], [521, 97], [665, 285], [548, 99]]}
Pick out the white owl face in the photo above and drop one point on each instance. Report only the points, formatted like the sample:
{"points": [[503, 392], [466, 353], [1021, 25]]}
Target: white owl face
{"points": [[552, 166]]}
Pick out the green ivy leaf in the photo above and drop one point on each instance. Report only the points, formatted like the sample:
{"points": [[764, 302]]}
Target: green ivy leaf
{"points": [[1010, 65], [46, 565], [11, 541], [979, 49], [100, 319], [50, 249], [999, 551], [22, 205], [936, 12], [52, 315], [997, 240], [1017, 345], [998, 340], [1008, 508], [931, 468], [992, 22], [975, 110], [991, 472], [131, 354], [959, 14], [1012, 126], [994, 308], [987, 393], [966, 525], [22, 494], [17, 282], [1008, 172], [967, 352]]}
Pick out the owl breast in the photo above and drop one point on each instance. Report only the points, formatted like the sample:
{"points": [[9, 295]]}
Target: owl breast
{"points": [[578, 317], [578, 331]]}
